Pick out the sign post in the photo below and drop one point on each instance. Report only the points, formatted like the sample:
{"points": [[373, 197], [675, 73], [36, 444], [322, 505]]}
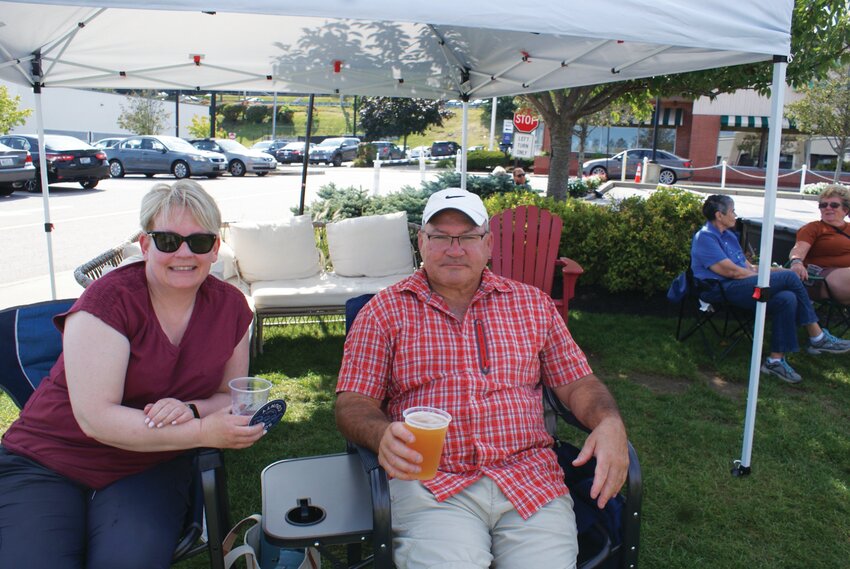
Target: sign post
{"points": [[524, 124]]}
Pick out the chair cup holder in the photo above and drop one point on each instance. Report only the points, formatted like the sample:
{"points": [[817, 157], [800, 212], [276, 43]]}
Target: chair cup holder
{"points": [[305, 514]]}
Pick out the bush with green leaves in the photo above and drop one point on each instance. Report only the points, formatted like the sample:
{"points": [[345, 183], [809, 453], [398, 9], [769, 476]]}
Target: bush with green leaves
{"points": [[285, 116], [484, 186], [231, 112], [636, 244], [258, 114], [484, 160], [365, 158]]}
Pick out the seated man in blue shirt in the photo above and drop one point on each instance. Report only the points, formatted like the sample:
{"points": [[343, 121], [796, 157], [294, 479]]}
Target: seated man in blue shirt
{"points": [[716, 255]]}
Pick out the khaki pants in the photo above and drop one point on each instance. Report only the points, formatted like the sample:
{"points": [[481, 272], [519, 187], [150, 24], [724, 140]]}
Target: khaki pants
{"points": [[479, 528]]}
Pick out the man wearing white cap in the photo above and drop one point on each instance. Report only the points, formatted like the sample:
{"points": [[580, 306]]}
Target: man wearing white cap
{"points": [[457, 337]]}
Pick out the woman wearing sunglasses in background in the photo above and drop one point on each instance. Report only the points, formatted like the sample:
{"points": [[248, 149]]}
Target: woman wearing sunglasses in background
{"points": [[94, 473], [824, 246]]}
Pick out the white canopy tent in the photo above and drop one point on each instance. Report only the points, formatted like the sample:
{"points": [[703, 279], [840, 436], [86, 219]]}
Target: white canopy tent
{"points": [[437, 49]]}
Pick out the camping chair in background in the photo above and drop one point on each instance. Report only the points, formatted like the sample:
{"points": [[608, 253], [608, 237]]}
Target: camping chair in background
{"points": [[525, 248], [608, 538], [832, 314], [735, 323], [29, 346]]}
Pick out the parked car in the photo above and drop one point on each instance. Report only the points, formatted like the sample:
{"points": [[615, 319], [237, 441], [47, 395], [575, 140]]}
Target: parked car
{"points": [[68, 159], [292, 152], [107, 142], [240, 160], [419, 151], [612, 167], [387, 150], [150, 155], [270, 146], [442, 148], [334, 151], [15, 169]]}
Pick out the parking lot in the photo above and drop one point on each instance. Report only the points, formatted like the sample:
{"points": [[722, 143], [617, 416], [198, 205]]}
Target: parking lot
{"points": [[87, 222]]}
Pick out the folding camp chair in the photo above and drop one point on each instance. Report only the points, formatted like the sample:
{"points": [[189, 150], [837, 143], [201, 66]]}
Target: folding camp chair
{"points": [[608, 538], [29, 346], [832, 314], [735, 323], [526, 240]]}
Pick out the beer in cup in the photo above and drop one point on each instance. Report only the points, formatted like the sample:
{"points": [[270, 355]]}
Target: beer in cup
{"points": [[247, 394], [429, 426]]}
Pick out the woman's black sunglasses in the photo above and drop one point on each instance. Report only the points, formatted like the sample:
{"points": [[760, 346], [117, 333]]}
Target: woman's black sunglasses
{"points": [[169, 242], [833, 205]]}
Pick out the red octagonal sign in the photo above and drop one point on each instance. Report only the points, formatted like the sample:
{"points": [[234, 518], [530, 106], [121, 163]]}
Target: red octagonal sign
{"points": [[525, 122]]}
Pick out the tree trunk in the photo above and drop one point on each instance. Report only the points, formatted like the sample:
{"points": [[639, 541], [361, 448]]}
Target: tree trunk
{"points": [[839, 161], [559, 163]]}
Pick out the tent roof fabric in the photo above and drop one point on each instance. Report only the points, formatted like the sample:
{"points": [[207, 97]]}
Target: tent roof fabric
{"points": [[438, 49]]}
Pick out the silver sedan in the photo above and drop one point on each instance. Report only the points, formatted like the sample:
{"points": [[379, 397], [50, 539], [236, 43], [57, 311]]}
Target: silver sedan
{"points": [[150, 155]]}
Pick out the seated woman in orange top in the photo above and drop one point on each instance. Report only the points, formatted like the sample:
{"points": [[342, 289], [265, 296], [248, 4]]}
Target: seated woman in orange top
{"points": [[826, 244]]}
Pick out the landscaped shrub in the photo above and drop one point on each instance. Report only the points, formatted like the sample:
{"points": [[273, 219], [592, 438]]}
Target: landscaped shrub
{"points": [[365, 156], [484, 186], [285, 116], [231, 112], [258, 114], [484, 160], [816, 189]]}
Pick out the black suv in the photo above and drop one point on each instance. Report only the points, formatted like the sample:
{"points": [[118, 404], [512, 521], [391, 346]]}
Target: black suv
{"points": [[444, 148]]}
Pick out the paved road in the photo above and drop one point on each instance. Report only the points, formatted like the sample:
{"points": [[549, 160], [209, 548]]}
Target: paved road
{"points": [[87, 222]]}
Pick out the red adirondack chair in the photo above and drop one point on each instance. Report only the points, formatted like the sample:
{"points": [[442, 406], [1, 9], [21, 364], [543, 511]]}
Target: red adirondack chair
{"points": [[525, 248]]}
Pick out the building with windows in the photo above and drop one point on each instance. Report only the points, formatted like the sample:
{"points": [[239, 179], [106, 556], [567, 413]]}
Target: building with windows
{"points": [[732, 128]]}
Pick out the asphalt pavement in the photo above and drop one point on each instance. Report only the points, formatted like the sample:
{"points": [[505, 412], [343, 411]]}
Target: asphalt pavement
{"points": [[89, 222]]}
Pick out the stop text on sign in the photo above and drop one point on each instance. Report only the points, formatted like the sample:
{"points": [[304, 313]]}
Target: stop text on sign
{"points": [[525, 122]]}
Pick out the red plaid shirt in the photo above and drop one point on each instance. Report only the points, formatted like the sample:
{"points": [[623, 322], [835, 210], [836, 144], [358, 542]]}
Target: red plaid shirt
{"points": [[406, 348]]}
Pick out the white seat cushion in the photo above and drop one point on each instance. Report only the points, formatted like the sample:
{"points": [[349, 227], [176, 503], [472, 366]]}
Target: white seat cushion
{"points": [[324, 290], [225, 266], [370, 246], [275, 251]]}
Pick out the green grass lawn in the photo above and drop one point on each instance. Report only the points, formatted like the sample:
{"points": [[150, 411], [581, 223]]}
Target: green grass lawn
{"points": [[685, 417]]}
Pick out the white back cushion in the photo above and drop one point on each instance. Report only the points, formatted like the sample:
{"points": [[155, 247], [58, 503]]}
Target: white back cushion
{"points": [[275, 251], [225, 266], [370, 246]]}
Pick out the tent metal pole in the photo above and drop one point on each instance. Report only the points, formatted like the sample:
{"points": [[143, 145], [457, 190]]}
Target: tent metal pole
{"points": [[777, 104], [42, 163], [274, 115], [306, 154], [464, 142]]}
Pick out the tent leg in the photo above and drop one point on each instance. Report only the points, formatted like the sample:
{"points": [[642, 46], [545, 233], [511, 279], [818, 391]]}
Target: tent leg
{"points": [[464, 142], [777, 102], [45, 189]]}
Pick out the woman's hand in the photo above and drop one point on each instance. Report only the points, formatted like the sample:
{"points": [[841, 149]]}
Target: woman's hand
{"points": [[168, 411], [223, 430], [800, 270]]}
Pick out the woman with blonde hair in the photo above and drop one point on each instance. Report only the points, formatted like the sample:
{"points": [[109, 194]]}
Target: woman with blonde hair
{"points": [[95, 472], [823, 246]]}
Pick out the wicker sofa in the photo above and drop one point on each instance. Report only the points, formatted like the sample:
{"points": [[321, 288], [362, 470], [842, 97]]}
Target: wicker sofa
{"points": [[297, 267]]}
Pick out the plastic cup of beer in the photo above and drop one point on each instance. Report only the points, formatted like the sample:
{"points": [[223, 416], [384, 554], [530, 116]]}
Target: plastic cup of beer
{"points": [[247, 394], [429, 426]]}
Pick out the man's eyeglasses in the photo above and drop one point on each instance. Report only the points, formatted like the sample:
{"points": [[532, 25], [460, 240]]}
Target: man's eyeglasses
{"points": [[169, 242], [833, 205], [519, 175], [466, 241]]}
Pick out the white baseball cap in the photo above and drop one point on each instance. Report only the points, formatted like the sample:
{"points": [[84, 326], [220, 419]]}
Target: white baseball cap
{"points": [[455, 198]]}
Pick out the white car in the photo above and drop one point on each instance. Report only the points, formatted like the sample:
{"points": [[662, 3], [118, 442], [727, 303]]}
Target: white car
{"points": [[240, 160], [419, 151]]}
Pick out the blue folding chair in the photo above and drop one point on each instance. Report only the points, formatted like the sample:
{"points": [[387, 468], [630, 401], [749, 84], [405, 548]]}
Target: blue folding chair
{"points": [[608, 538], [29, 346]]}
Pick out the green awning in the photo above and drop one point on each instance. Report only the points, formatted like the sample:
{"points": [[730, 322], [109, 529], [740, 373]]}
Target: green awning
{"points": [[750, 121]]}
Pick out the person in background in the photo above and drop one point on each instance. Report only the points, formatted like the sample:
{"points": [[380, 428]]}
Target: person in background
{"points": [[824, 245], [520, 178], [718, 260], [95, 472], [456, 336]]}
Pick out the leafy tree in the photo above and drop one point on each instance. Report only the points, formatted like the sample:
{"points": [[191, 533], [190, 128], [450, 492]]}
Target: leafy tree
{"points": [[825, 110], [258, 114], [820, 39], [143, 114], [10, 116], [200, 128], [505, 108], [383, 117]]}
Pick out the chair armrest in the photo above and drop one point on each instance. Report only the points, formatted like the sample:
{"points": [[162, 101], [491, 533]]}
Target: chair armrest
{"points": [[570, 270], [382, 538]]}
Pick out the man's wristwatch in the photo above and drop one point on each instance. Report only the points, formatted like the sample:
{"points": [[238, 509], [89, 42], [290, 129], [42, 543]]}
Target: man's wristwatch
{"points": [[795, 260], [194, 409]]}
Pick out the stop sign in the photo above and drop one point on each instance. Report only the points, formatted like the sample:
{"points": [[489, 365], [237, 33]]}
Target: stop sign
{"points": [[525, 122]]}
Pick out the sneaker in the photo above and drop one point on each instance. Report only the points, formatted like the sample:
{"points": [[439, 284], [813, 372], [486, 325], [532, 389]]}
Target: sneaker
{"points": [[829, 344], [782, 370]]}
